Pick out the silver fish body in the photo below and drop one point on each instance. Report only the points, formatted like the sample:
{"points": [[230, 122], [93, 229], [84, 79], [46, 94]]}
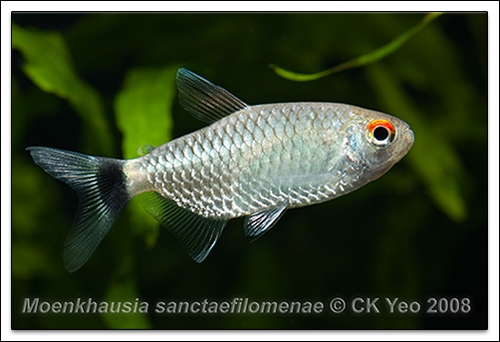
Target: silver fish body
{"points": [[268, 156], [253, 161]]}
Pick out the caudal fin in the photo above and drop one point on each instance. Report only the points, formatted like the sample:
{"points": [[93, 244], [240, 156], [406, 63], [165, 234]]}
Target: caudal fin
{"points": [[101, 187]]}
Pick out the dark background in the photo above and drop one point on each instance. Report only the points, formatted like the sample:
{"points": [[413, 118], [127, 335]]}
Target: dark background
{"points": [[406, 235]]}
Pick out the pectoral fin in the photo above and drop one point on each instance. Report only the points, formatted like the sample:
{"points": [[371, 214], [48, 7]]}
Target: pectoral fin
{"points": [[196, 233], [259, 223]]}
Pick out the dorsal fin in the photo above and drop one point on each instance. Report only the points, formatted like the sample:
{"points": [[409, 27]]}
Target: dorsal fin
{"points": [[203, 99]]}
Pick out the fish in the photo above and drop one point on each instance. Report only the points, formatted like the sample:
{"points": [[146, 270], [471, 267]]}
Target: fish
{"points": [[251, 161]]}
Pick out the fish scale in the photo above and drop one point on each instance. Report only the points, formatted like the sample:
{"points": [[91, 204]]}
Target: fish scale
{"points": [[234, 191], [251, 161]]}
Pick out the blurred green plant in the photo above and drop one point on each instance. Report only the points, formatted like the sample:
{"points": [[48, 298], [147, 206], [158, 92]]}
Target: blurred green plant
{"points": [[368, 58], [143, 115], [123, 287], [48, 64]]}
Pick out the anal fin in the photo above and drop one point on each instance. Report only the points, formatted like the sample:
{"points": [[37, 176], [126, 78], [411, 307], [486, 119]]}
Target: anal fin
{"points": [[257, 224], [196, 233]]}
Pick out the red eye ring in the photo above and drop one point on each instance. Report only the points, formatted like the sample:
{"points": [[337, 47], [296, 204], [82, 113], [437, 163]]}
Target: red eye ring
{"points": [[380, 133]]}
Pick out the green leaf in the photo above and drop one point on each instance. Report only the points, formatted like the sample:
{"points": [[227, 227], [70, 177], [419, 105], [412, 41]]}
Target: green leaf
{"points": [[144, 116], [48, 64], [369, 58]]}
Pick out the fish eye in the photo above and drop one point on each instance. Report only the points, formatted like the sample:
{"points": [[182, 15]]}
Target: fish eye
{"points": [[380, 133]]}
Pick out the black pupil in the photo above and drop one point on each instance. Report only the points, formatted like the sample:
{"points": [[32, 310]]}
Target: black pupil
{"points": [[380, 133]]}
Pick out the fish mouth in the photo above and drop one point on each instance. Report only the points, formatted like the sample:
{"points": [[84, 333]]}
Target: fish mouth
{"points": [[408, 136]]}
